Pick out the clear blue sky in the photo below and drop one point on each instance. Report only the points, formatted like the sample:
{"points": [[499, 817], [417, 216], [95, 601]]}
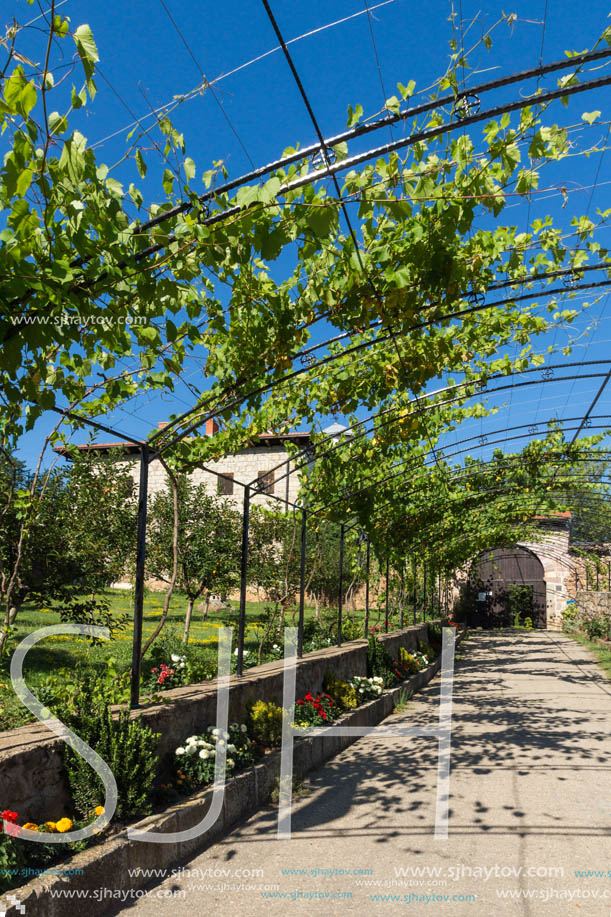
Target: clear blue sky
{"points": [[256, 112]]}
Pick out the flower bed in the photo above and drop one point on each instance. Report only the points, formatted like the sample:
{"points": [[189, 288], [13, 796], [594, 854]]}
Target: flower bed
{"points": [[31, 759], [116, 855]]}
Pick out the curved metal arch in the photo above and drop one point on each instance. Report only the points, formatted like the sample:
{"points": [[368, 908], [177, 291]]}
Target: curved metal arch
{"points": [[325, 361]]}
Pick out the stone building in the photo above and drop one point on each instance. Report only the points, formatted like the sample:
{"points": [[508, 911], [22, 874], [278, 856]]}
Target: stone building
{"points": [[256, 465]]}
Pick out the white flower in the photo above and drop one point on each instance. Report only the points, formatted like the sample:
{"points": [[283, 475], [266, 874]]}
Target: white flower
{"points": [[190, 749], [235, 652], [225, 735], [275, 646], [215, 732], [243, 727], [175, 658], [230, 762], [192, 739], [231, 749], [180, 751], [204, 755], [220, 743], [212, 753]]}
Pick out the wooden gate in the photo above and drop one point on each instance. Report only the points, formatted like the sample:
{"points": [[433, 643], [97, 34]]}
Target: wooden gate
{"points": [[506, 582]]}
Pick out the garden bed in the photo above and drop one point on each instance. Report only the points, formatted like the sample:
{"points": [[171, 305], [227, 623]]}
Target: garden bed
{"points": [[109, 863], [31, 771]]}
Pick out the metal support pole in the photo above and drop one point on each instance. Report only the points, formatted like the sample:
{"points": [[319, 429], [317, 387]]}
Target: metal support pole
{"points": [[139, 578], [387, 578], [243, 575], [341, 585], [597, 577], [424, 586], [402, 591], [301, 585], [367, 589]]}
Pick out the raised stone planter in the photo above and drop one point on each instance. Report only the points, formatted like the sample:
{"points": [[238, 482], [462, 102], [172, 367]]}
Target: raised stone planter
{"points": [[31, 774], [108, 864]]}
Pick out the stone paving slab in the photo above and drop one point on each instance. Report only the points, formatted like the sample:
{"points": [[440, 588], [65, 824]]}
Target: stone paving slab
{"points": [[530, 790]]}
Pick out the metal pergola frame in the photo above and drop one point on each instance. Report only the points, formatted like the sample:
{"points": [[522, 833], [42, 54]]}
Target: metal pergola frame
{"points": [[163, 441]]}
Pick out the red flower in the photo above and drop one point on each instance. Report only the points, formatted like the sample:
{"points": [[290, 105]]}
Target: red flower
{"points": [[301, 703], [323, 714], [309, 697], [7, 815]]}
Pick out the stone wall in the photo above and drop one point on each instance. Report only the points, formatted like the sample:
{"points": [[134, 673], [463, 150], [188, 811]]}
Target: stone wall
{"points": [[591, 601], [31, 773], [245, 467], [553, 552]]}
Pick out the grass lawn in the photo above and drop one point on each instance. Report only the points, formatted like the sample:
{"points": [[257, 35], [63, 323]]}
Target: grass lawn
{"points": [[602, 653], [58, 653]]}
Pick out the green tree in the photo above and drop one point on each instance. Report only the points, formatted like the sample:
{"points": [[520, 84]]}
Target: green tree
{"points": [[208, 543], [75, 544]]}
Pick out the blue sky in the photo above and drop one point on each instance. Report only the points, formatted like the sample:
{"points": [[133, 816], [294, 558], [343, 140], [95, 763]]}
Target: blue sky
{"points": [[256, 111]]}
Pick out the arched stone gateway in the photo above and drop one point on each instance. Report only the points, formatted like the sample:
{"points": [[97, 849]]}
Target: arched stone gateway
{"points": [[530, 578], [507, 582]]}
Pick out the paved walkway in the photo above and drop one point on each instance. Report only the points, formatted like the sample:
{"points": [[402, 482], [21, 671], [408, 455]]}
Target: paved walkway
{"points": [[530, 790]]}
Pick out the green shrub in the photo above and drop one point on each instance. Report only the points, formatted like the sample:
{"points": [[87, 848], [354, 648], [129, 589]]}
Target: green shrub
{"points": [[379, 663], [342, 693], [127, 746], [266, 721], [426, 650], [11, 860], [351, 629]]}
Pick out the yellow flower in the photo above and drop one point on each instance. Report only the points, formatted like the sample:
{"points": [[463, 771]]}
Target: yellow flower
{"points": [[30, 826], [49, 826], [63, 825], [99, 810]]}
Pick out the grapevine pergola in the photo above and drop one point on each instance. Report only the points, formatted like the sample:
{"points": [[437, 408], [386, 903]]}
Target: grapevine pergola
{"points": [[412, 289]]}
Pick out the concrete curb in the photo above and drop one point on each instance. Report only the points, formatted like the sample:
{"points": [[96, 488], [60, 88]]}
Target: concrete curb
{"points": [[108, 865]]}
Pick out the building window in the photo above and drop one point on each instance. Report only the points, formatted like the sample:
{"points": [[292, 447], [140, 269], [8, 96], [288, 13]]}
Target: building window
{"points": [[224, 487], [265, 482]]}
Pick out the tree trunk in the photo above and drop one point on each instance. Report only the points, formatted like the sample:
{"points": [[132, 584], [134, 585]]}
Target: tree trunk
{"points": [[172, 584], [206, 607], [185, 636]]}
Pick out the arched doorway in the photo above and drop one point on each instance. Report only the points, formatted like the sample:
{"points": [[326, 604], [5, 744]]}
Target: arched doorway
{"points": [[505, 582]]}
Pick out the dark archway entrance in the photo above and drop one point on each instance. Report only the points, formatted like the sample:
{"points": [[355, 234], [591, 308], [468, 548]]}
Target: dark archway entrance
{"points": [[504, 583]]}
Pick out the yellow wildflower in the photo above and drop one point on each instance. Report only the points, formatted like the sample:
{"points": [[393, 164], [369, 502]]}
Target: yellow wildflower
{"points": [[99, 810], [30, 826], [49, 826], [63, 825]]}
